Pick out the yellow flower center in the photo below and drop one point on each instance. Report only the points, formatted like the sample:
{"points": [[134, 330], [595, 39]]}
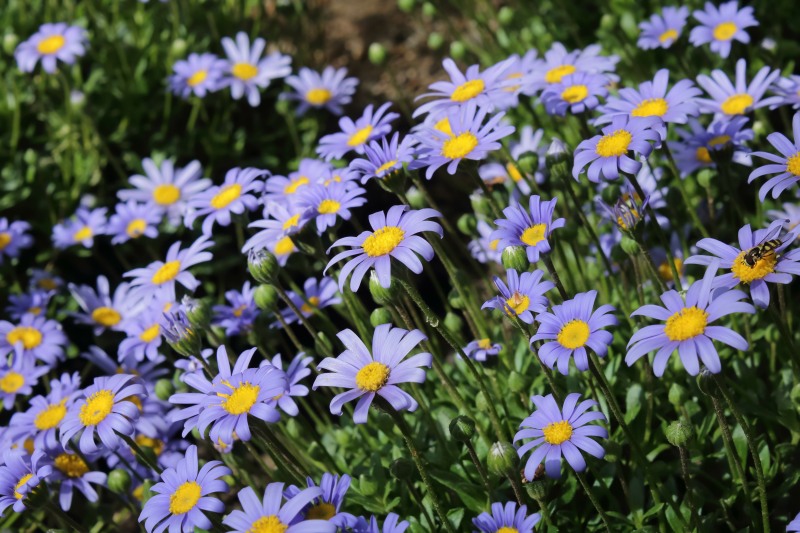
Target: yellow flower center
{"points": [[71, 464], [185, 497], [652, 107], [518, 303], [702, 154], [485, 344], [24, 479], [97, 407], [154, 444], [29, 445], [575, 93], [197, 78], [5, 240], [12, 382], [719, 140], [383, 241], [136, 227], [793, 164], [360, 137], [614, 144], [534, 234], [226, 195], [51, 45], [724, 31], [329, 207], [135, 400], [318, 96], [285, 246], [555, 74], [459, 146], [736, 104], [309, 306], [384, 167], [244, 71], [166, 194], [167, 272], [82, 234], [138, 492], [665, 272], [513, 172], [35, 310], [556, 433], [51, 416], [372, 376], [467, 90], [291, 222], [744, 273], [295, 184], [321, 511], [47, 284], [241, 399], [239, 311], [106, 316], [513, 76], [687, 323], [268, 524], [443, 125], [28, 336], [150, 334], [493, 244], [669, 35], [573, 334]]}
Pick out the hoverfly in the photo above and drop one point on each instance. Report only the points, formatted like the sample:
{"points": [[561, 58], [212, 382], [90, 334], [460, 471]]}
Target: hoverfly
{"points": [[763, 249]]}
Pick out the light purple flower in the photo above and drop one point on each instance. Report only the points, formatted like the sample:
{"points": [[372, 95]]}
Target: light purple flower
{"points": [[327, 204], [530, 228], [788, 90], [283, 189], [578, 93], [42, 420], [160, 277], [721, 26], [18, 377], [80, 229], [102, 310], [699, 144], [132, 220], [273, 514], [786, 165], [481, 349], [355, 135], [486, 248], [330, 90], [316, 295], [35, 302], [663, 30], [198, 74], [51, 43], [559, 62], [385, 157], [71, 472], [506, 518], [33, 337], [731, 99], [248, 71], [13, 238], [297, 371], [286, 219], [523, 296], [219, 202], [20, 474], [240, 314]]}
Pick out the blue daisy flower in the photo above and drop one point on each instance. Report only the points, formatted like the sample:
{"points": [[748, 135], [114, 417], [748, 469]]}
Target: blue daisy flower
{"points": [[81, 229], [482, 349], [330, 89], [34, 302], [20, 475], [506, 518], [33, 337], [241, 312], [698, 143], [160, 277], [51, 43], [486, 249], [72, 472], [297, 371], [523, 296], [316, 295], [327, 506], [661, 31], [530, 228], [788, 90], [326, 204], [42, 420], [355, 135], [13, 238], [786, 165], [219, 202], [721, 26], [273, 514], [385, 157], [285, 220], [133, 220], [248, 71], [284, 189], [198, 74], [102, 310], [578, 93], [19, 377], [731, 99], [559, 62]]}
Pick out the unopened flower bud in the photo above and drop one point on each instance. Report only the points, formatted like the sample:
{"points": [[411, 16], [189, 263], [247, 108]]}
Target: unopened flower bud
{"points": [[266, 297], [515, 257], [503, 459], [402, 468], [462, 428], [480, 205], [457, 50], [528, 163], [467, 224], [178, 47], [705, 382], [119, 481], [505, 15], [379, 316], [198, 311], [376, 53], [406, 5], [435, 40], [416, 199], [164, 389], [384, 295], [679, 432], [428, 9], [537, 488], [10, 41], [263, 265], [179, 332], [556, 153], [629, 245], [705, 177]]}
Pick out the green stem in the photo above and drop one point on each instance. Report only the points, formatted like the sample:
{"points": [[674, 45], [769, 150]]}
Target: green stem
{"points": [[473, 455], [684, 453], [140, 454], [588, 490], [727, 441], [684, 194], [553, 274]]}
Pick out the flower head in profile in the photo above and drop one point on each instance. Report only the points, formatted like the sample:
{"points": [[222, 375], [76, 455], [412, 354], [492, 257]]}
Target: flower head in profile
{"points": [[51, 43], [81, 229], [20, 475], [107, 408], [327, 204], [394, 235], [233, 197], [354, 135], [160, 277], [19, 377], [468, 138], [330, 89], [722, 25], [271, 513], [44, 280], [559, 62], [198, 74], [316, 295], [786, 166], [183, 494], [13, 238], [529, 228], [34, 302], [506, 518], [699, 145], [576, 93], [731, 99], [367, 373], [607, 154], [133, 220], [240, 313], [384, 157], [72, 472], [560, 431], [486, 249], [661, 31], [472, 87], [143, 333], [774, 266], [482, 349], [43, 418], [523, 296], [275, 232], [33, 337], [328, 505], [296, 372], [688, 328], [788, 90], [247, 71], [101, 309], [165, 188], [573, 328]]}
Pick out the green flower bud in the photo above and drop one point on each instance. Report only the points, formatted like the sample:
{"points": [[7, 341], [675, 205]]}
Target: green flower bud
{"points": [[457, 50], [428, 9], [505, 15], [462, 428], [263, 266], [342, 438], [405, 5], [678, 395], [537, 488], [480, 205], [628, 24], [480, 402], [376, 53], [629, 245], [679, 432], [402, 468], [704, 177], [384, 295], [608, 22], [705, 383], [178, 47], [164, 389], [198, 311], [454, 299], [230, 480], [517, 382], [467, 224], [528, 163], [266, 297], [322, 344], [10, 41], [435, 40], [415, 198], [515, 257], [119, 481], [379, 316], [503, 459], [557, 152], [453, 323]]}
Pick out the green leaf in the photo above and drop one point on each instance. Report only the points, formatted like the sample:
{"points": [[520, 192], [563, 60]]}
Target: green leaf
{"points": [[455, 516], [633, 402]]}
